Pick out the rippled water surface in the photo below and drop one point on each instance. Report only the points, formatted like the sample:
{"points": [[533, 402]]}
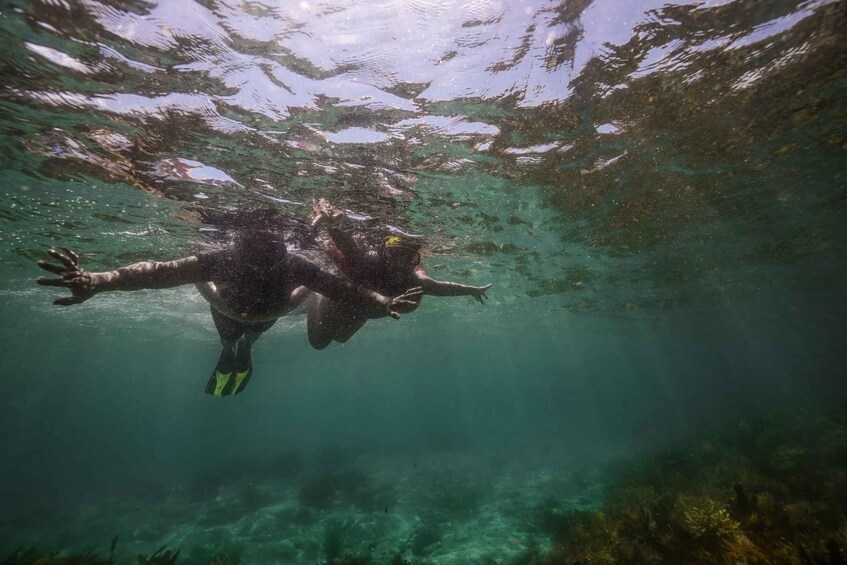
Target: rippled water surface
{"points": [[608, 165], [620, 154]]}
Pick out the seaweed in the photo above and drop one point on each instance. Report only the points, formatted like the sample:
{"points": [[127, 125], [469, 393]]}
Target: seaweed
{"points": [[767, 490], [162, 556], [32, 556]]}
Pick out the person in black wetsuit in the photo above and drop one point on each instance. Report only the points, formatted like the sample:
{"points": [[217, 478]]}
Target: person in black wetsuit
{"points": [[392, 270], [248, 284]]}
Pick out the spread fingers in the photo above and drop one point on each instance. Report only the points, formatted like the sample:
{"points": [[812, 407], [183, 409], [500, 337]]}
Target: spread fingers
{"points": [[72, 254], [53, 282], [66, 260], [55, 269]]}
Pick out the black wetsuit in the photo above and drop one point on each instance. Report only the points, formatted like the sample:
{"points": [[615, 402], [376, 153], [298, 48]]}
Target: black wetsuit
{"points": [[252, 289]]}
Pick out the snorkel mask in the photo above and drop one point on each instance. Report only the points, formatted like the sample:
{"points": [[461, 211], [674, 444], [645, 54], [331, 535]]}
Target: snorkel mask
{"points": [[398, 250]]}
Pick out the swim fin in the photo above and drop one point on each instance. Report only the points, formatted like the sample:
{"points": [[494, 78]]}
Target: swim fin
{"points": [[219, 382], [232, 372], [243, 367]]}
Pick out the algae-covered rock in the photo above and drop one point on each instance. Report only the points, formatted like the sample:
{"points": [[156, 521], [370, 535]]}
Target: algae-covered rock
{"points": [[707, 519], [791, 507]]}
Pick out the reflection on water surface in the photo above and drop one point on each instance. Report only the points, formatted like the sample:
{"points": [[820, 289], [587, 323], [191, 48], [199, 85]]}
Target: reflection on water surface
{"points": [[632, 155]]}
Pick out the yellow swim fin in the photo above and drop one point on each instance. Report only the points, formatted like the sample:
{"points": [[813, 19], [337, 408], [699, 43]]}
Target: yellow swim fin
{"points": [[231, 374]]}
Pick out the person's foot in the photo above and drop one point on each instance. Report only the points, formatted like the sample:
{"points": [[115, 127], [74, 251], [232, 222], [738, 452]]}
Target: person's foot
{"points": [[220, 381], [243, 367]]}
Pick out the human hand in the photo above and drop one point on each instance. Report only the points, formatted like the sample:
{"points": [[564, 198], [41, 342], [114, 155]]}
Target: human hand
{"points": [[323, 211], [78, 280], [478, 292], [405, 303]]}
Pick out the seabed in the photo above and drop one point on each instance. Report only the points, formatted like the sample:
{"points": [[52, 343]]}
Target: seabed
{"points": [[768, 489]]}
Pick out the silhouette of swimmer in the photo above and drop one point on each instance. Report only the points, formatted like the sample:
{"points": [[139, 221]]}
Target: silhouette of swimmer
{"points": [[249, 284], [392, 269]]}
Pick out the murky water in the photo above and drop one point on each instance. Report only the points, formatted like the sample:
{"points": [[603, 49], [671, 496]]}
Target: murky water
{"points": [[656, 191]]}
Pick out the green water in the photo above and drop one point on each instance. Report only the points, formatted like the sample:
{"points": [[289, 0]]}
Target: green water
{"points": [[655, 191]]}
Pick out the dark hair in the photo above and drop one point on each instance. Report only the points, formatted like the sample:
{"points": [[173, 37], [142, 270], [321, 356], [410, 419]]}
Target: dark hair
{"points": [[260, 247]]}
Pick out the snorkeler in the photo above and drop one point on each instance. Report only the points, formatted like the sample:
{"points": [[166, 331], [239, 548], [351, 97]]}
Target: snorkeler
{"points": [[391, 269], [248, 284]]}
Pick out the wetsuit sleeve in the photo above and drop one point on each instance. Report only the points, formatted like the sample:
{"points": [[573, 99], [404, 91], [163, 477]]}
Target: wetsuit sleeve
{"points": [[150, 274], [302, 270], [314, 278], [219, 265], [346, 244]]}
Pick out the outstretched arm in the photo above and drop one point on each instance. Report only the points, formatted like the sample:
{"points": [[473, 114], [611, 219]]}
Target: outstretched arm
{"points": [[341, 290], [149, 274], [444, 288]]}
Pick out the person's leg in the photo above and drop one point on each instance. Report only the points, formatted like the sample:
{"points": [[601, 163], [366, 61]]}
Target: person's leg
{"points": [[229, 331], [255, 331], [324, 318], [243, 366], [348, 327]]}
